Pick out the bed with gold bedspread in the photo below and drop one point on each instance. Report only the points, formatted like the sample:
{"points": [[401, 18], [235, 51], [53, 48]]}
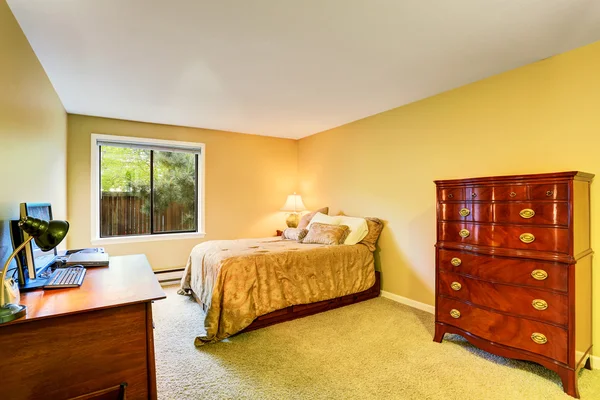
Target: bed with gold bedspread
{"points": [[237, 281]]}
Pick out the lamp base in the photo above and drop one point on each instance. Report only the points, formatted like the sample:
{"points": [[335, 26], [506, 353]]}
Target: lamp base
{"points": [[10, 312], [292, 220]]}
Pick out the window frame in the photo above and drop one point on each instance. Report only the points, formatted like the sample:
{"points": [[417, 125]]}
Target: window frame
{"points": [[95, 190]]}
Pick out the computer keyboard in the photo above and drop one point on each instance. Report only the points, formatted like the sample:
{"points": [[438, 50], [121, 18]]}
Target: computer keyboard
{"points": [[66, 278]]}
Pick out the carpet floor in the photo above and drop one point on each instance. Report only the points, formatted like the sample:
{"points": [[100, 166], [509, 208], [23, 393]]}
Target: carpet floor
{"points": [[377, 349]]}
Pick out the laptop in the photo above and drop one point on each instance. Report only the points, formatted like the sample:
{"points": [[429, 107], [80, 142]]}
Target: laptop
{"points": [[88, 259]]}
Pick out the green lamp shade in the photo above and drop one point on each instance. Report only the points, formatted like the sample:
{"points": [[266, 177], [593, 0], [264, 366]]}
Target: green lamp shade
{"points": [[47, 234]]}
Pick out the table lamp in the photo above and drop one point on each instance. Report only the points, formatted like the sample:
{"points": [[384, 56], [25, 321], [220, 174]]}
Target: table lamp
{"points": [[47, 235], [294, 205]]}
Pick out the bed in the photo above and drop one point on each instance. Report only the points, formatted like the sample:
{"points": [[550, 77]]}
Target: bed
{"points": [[246, 284]]}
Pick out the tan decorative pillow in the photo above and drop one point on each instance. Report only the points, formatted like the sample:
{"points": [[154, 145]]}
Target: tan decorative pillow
{"points": [[326, 234], [305, 220], [375, 226], [294, 234]]}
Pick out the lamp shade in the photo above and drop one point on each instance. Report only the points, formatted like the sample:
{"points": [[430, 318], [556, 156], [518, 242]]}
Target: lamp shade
{"points": [[293, 203], [47, 234]]}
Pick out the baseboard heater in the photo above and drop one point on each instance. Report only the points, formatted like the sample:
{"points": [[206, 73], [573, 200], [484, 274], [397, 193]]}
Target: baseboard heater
{"points": [[169, 275]]}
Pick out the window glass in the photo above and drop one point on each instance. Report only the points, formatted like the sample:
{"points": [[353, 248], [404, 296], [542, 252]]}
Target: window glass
{"points": [[174, 195], [145, 191]]}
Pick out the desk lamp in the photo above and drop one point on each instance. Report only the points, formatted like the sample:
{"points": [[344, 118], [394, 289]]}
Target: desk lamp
{"points": [[47, 235], [293, 204]]}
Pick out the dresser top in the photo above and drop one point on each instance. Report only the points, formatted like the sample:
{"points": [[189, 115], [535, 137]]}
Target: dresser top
{"points": [[127, 280], [577, 175]]}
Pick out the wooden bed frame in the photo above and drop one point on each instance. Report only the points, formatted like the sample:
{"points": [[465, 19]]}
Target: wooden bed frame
{"points": [[303, 310]]}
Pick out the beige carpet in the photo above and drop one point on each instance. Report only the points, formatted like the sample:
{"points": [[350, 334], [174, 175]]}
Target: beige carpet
{"points": [[376, 349]]}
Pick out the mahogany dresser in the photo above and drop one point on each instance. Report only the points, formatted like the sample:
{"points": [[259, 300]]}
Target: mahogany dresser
{"points": [[514, 268]]}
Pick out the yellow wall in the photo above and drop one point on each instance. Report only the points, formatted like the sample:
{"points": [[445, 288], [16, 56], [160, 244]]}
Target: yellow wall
{"points": [[543, 117], [33, 131], [247, 180]]}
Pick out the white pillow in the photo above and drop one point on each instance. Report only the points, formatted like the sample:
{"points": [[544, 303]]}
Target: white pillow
{"points": [[324, 219], [358, 228]]}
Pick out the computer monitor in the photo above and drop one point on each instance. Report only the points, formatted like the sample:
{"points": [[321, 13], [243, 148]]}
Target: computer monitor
{"points": [[37, 260]]}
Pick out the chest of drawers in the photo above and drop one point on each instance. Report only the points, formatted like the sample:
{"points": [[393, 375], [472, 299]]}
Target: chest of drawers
{"points": [[514, 268]]}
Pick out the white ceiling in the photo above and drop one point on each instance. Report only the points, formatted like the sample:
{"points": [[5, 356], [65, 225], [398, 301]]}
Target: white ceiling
{"points": [[286, 68]]}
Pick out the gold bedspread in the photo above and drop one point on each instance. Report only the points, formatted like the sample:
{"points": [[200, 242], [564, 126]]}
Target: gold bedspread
{"points": [[240, 280]]}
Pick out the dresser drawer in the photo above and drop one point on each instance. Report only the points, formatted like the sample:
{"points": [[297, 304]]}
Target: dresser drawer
{"points": [[534, 213], [522, 301], [509, 270], [518, 192], [497, 193], [549, 191], [451, 194], [507, 236], [503, 329]]}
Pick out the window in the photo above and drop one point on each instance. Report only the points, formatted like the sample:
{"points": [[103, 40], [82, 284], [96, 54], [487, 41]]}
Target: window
{"points": [[145, 189]]}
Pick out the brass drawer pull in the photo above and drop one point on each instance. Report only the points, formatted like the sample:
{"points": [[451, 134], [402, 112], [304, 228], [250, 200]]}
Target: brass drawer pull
{"points": [[527, 237], [512, 194], [539, 304], [450, 195], [454, 313], [539, 274], [539, 338], [527, 213], [457, 286], [456, 261], [473, 195], [464, 212], [464, 233], [549, 193]]}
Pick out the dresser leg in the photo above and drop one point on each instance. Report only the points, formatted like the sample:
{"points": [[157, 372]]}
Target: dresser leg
{"points": [[440, 330], [569, 381], [588, 363]]}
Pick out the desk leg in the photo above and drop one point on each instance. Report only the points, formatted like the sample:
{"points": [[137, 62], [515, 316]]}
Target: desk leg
{"points": [[150, 353]]}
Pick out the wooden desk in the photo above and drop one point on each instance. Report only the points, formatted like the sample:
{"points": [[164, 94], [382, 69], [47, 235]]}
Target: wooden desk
{"points": [[81, 340]]}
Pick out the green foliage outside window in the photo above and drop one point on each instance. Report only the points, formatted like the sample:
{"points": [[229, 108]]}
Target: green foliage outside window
{"points": [[125, 170]]}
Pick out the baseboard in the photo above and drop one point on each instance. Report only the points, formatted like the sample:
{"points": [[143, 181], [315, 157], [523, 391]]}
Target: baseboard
{"points": [[408, 302], [169, 275], [595, 362]]}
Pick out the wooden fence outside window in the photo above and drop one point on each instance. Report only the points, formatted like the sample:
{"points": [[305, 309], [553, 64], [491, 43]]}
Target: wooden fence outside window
{"points": [[123, 214]]}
